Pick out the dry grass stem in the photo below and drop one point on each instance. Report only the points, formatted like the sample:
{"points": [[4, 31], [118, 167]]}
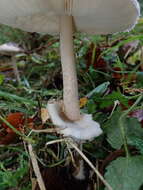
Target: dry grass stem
{"points": [[36, 168]]}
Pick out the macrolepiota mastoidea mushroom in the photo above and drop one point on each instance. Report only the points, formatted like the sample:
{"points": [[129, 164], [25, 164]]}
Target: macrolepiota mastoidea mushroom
{"points": [[12, 49], [65, 17]]}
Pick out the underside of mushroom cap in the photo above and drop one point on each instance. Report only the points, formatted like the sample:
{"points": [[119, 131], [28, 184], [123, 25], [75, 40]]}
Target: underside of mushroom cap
{"points": [[106, 16], [92, 16], [84, 129], [10, 48]]}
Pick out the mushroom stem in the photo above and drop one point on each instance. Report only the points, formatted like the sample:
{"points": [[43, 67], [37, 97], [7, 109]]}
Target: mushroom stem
{"points": [[15, 69], [70, 92]]}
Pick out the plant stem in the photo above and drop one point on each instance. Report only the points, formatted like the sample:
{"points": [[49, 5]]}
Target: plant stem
{"points": [[36, 168], [70, 92], [121, 119], [15, 69]]}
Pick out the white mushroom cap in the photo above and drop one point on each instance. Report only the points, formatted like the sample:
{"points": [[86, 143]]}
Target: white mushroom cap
{"points": [[10, 49], [90, 16]]}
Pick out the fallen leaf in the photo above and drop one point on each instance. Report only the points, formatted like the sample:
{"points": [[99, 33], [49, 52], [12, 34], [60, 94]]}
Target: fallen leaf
{"points": [[83, 102], [44, 115], [17, 120]]}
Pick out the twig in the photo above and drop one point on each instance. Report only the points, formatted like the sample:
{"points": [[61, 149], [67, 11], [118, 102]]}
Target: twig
{"points": [[56, 141], [51, 130], [36, 168]]}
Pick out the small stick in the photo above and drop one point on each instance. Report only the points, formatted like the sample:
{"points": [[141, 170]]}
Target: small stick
{"points": [[36, 168]]}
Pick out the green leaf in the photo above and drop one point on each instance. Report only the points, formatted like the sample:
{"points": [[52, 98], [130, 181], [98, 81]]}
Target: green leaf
{"points": [[125, 174], [91, 107], [132, 129], [1, 78], [13, 97], [99, 89], [111, 98], [11, 178], [37, 58], [112, 129], [137, 142]]}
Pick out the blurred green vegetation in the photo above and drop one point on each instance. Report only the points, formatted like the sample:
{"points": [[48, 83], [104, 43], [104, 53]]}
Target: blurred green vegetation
{"points": [[141, 5]]}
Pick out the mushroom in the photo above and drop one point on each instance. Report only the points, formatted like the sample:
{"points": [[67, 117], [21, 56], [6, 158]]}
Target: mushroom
{"points": [[12, 49], [65, 17]]}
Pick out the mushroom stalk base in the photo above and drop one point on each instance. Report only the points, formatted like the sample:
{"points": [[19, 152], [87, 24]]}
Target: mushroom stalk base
{"points": [[84, 129], [70, 92]]}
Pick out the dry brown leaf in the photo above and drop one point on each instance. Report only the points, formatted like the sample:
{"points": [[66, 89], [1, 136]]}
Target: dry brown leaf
{"points": [[44, 115], [83, 102]]}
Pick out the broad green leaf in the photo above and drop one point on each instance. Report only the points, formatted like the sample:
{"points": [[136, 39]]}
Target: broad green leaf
{"points": [[131, 126], [137, 142], [91, 106], [125, 174], [111, 98], [112, 129]]}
